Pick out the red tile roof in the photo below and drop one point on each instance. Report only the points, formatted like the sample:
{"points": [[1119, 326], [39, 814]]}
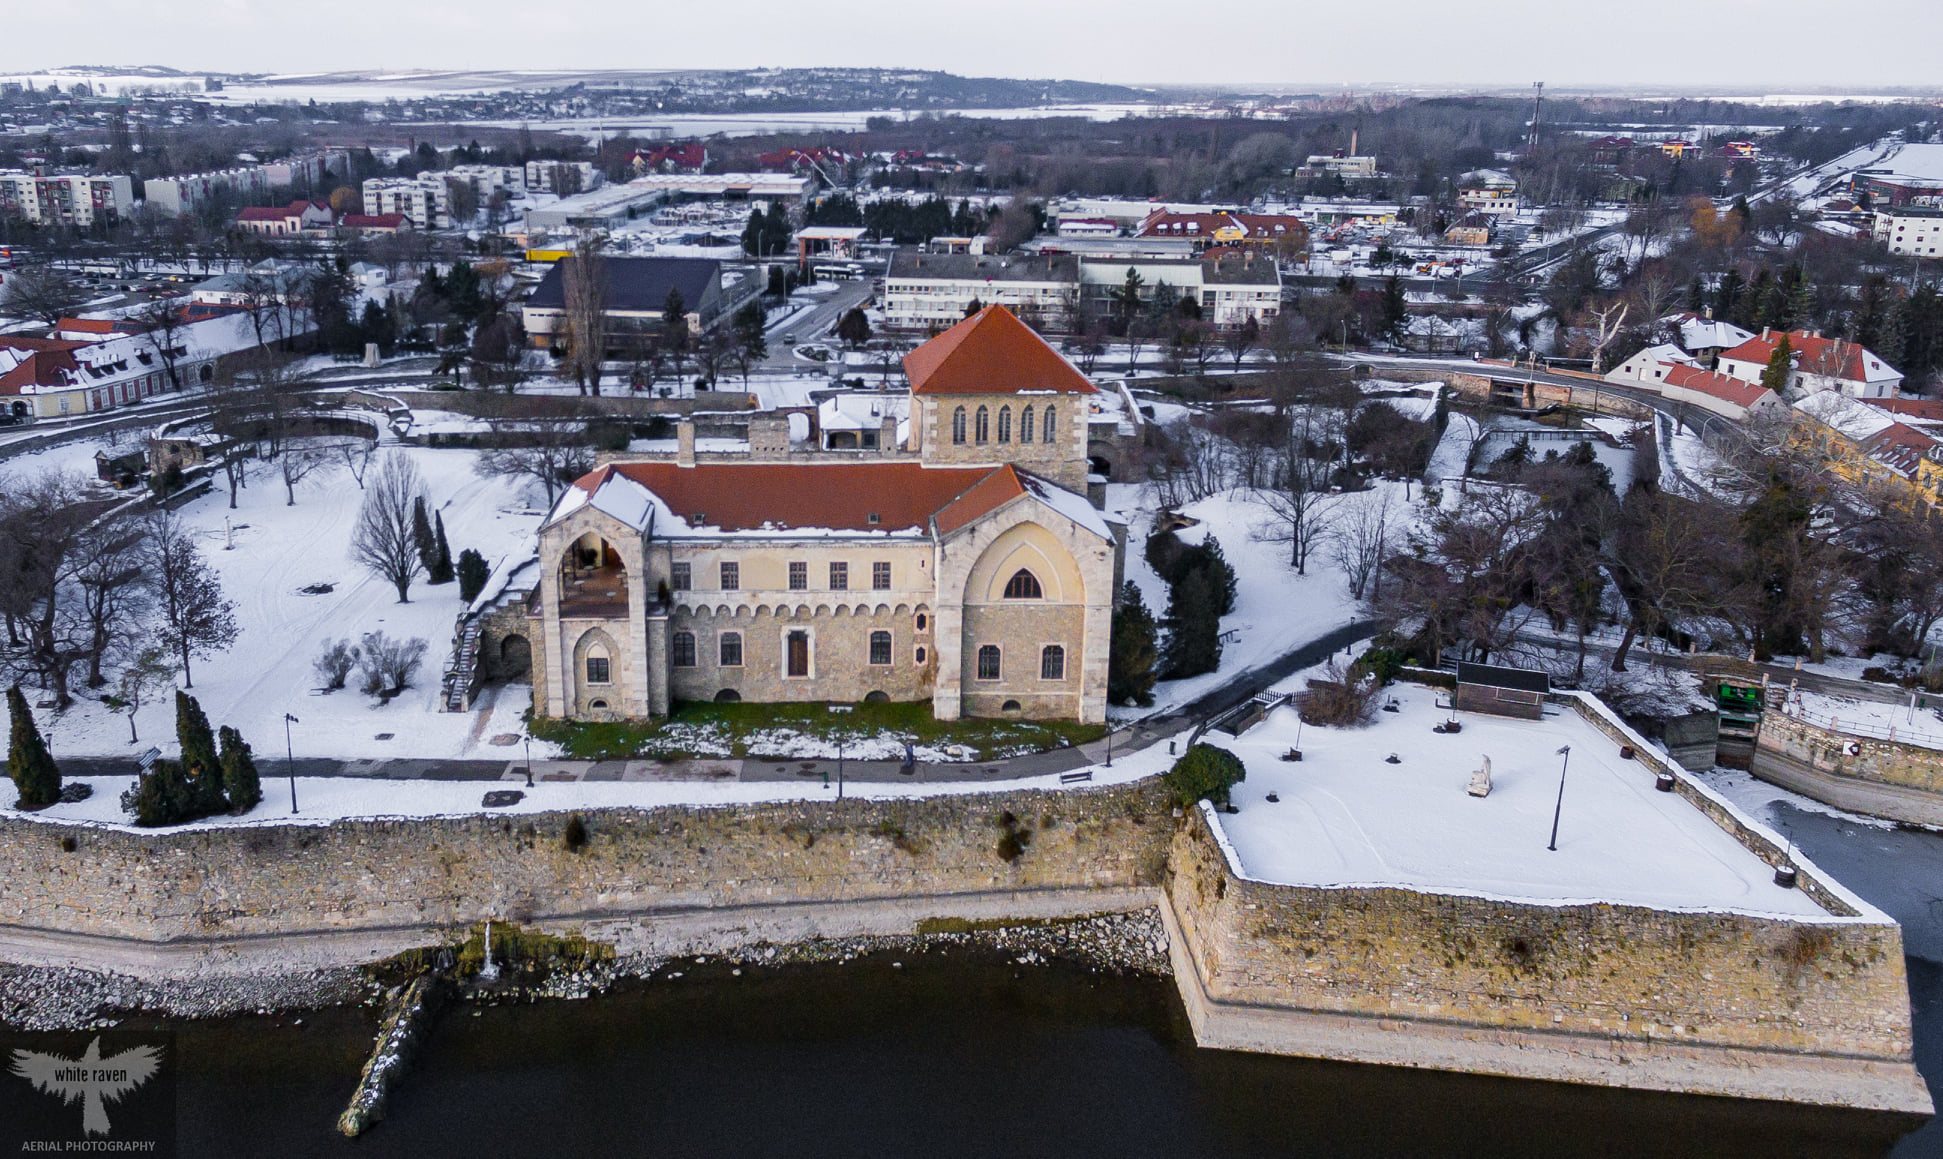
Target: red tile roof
{"points": [[1927, 409], [839, 496], [1254, 226], [96, 326], [1721, 386], [372, 220], [1817, 355], [991, 352], [997, 488]]}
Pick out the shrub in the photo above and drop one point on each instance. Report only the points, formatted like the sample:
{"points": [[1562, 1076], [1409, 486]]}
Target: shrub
{"points": [[474, 571], [164, 795], [240, 783], [1013, 838], [1339, 700], [335, 665], [1204, 771], [575, 838], [388, 665], [1381, 663]]}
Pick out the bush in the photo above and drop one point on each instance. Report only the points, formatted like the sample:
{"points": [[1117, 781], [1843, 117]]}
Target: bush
{"points": [[575, 838], [1204, 771], [335, 665], [474, 571], [1339, 700], [1382, 663], [240, 783], [162, 796], [388, 665]]}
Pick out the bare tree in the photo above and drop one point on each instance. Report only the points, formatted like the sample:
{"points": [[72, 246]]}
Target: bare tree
{"points": [[162, 328], [1300, 504], [44, 521], [552, 450], [111, 591], [196, 619], [583, 279], [357, 457], [1608, 327], [383, 540], [295, 465], [42, 293], [148, 667], [1360, 539]]}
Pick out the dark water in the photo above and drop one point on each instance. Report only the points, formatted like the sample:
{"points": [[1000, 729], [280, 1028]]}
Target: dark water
{"points": [[947, 1056]]}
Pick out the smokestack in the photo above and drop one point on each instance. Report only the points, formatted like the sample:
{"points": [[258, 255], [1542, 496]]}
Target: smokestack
{"points": [[1352, 142], [1764, 333]]}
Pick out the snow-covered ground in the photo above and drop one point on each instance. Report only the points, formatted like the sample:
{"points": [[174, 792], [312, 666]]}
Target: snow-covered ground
{"points": [[277, 551], [1276, 610], [1345, 817]]}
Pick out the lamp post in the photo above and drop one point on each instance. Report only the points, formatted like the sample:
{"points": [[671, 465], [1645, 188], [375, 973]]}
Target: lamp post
{"points": [[528, 741], [839, 770], [1566, 752], [290, 758]]}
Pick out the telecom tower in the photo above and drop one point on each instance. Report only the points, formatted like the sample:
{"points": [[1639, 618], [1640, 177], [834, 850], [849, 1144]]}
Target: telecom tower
{"points": [[1537, 102]]}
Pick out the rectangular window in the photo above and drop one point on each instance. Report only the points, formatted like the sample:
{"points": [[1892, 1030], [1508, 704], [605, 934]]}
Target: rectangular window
{"points": [[1052, 662], [839, 577], [679, 577], [597, 670], [682, 650], [731, 650], [880, 647], [797, 647], [880, 576], [799, 577], [988, 662], [731, 577]]}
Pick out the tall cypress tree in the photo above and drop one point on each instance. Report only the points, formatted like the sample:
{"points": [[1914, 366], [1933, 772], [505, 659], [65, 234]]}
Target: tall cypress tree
{"points": [[163, 796], [428, 548], [239, 772], [1131, 659], [1193, 627], [199, 757], [439, 570], [1780, 366], [28, 763]]}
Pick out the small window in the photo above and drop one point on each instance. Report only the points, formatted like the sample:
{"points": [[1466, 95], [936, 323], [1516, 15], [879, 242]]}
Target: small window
{"points": [[839, 577], [1046, 432], [799, 577], [919, 654], [680, 577], [597, 704], [1052, 662], [983, 427], [958, 425], [1025, 425], [1023, 586], [924, 621], [597, 670], [731, 577], [988, 662], [880, 647], [880, 576], [1005, 424], [730, 650], [683, 647]]}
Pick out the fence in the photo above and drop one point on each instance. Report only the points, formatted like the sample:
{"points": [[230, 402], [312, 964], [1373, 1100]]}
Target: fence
{"points": [[1899, 733]]}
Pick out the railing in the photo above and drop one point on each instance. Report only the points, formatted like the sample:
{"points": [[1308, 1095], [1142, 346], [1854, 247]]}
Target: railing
{"points": [[1901, 734]]}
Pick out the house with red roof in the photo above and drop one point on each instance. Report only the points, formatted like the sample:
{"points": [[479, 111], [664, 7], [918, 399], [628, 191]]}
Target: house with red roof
{"points": [[689, 158], [1226, 228], [1818, 364], [960, 563], [283, 220], [93, 365], [373, 223]]}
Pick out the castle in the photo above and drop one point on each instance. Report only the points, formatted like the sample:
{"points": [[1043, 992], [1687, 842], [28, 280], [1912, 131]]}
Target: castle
{"points": [[957, 560]]}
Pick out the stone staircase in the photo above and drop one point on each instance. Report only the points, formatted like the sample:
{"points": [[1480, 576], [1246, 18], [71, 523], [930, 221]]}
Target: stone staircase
{"points": [[460, 681]]}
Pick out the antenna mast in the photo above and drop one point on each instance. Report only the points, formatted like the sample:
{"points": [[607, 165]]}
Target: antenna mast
{"points": [[1537, 102]]}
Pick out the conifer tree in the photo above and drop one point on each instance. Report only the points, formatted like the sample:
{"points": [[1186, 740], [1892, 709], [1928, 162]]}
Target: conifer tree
{"points": [[439, 569], [474, 571], [28, 763], [428, 548], [1132, 656], [199, 757], [1193, 627], [1780, 366], [239, 772], [163, 796]]}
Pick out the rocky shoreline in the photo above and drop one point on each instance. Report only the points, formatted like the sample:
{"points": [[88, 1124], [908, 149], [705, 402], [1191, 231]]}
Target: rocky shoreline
{"points": [[36, 998]]}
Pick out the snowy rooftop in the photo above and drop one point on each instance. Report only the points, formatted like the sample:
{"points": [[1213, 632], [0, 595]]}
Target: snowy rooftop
{"points": [[1347, 818], [1851, 416]]}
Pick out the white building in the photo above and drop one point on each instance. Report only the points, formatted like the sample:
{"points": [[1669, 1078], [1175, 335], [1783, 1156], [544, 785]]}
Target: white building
{"points": [[562, 177], [1229, 291], [425, 200], [76, 199], [925, 291], [486, 179], [1913, 231], [1817, 364], [176, 196], [1488, 191]]}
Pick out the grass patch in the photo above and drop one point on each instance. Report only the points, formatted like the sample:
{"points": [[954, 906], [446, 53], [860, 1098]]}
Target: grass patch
{"points": [[696, 729]]}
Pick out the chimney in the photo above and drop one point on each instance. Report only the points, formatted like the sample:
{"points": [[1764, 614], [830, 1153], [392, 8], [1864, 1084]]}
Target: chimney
{"points": [[887, 438], [1352, 142], [1764, 333], [685, 443]]}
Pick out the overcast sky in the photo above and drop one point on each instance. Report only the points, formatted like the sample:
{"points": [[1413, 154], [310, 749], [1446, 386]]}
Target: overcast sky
{"points": [[1777, 45]]}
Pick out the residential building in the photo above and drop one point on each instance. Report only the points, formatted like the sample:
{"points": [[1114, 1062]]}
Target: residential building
{"points": [[89, 366], [373, 223], [489, 179], [1705, 337], [930, 291], [1910, 230], [284, 221], [75, 199], [562, 177], [1819, 364], [962, 566], [1473, 229], [689, 158], [1676, 376], [176, 196], [1863, 442], [424, 200]]}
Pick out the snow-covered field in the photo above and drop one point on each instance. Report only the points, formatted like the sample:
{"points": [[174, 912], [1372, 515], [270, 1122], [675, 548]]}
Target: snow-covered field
{"points": [[279, 550], [1345, 817], [1276, 610]]}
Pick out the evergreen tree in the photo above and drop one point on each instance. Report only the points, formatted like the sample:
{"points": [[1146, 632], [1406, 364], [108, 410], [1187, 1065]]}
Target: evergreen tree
{"points": [[674, 319], [473, 574], [428, 547], [1727, 295], [854, 327], [775, 229], [1132, 655], [973, 307], [752, 239], [1221, 576], [239, 772], [462, 291], [439, 570], [1780, 366], [28, 763], [199, 757], [1395, 307], [1193, 627], [1696, 296], [162, 796]]}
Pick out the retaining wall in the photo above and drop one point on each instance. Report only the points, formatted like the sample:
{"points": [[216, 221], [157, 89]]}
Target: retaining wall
{"points": [[1885, 778]]}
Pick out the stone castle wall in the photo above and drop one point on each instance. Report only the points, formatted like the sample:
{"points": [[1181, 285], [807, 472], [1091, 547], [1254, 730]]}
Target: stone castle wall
{"points": [[1865, 774], [660, 880]]}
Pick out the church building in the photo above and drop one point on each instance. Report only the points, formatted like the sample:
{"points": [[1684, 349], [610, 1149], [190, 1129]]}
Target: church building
{"points": [[959, 561]]}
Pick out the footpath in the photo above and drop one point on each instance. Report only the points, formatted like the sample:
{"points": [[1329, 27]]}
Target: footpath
{"points": [[1126, 738]]}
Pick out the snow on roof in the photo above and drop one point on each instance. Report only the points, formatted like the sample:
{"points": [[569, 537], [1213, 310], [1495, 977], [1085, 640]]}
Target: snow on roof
{"points": [[1666, 352], [1701, 333], [1346, 818], [1070, 504], [855, 412], [625, 500], [1851, 416]]}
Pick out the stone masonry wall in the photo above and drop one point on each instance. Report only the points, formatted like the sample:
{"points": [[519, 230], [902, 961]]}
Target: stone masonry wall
{"points": [[1869, 775], [1610, 971], [423, 876]]}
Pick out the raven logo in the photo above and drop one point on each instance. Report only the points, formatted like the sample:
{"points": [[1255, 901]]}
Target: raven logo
{"points": [[94, 1080]]}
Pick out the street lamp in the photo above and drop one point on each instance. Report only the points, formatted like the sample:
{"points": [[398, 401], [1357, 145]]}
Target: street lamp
{"points": [[528, 741], [290, 758], [839, 770], [1566, 752]]}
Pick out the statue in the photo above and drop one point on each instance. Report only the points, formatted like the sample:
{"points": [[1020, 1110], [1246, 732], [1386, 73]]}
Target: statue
{"points": [[1481, 780]]}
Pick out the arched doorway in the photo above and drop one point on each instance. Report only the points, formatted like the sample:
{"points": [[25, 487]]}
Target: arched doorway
{"points": [[515, 659]]}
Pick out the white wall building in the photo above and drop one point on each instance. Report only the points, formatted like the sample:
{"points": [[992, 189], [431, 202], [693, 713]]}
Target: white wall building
{"points": [[562, 177], [425, 201], [1909, 230]]}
